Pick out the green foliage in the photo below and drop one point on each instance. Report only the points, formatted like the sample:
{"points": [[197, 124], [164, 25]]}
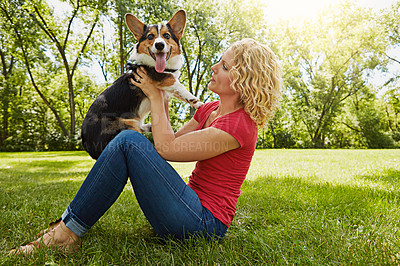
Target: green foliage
{"points": [[370, 119], [392, 108], [327, 61], [324, 66], [391, 23]]}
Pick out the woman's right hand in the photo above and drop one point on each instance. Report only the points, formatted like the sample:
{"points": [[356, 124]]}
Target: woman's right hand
{"points": [[146, 84]]}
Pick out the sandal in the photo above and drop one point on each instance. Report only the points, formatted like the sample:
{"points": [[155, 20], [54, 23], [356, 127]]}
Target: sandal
{"points": [[52, 225], [25, 250], [47, 240]]}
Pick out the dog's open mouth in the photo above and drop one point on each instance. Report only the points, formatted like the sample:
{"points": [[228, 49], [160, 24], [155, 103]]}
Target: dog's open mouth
{"points": [[161, 60]]}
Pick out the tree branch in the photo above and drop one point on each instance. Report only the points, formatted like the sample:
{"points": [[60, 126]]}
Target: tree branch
{"points": [[10, 66], [200, 77], [44, 26], [3, 62], [185, 55], [352, 128], [70, 24], [84, 46], [393, 59]]}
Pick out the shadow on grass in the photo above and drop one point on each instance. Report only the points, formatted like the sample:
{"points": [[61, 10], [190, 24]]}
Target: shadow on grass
{"points": [[388, 176], [38, 172], [50, 154]]}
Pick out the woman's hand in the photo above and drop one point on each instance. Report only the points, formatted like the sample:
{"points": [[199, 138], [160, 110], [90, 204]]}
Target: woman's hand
{"points": [[146, 84]]}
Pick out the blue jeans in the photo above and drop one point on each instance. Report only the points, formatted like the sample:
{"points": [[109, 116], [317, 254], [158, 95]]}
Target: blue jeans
{"points": [[169, 204]]}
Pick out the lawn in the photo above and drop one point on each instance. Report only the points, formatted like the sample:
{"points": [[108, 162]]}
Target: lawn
{"points": [[307, 207]]}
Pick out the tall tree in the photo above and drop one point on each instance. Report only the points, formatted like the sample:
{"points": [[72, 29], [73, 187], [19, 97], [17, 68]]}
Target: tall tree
{"points": [[7, 71], [327, 61], [70, 48], [29, 42]]}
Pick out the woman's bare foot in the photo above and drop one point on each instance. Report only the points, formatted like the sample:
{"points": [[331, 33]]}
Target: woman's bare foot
{"points": [[60, 238]]}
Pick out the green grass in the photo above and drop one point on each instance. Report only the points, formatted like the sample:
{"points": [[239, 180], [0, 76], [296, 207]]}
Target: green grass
{"points": [[307, 207]]}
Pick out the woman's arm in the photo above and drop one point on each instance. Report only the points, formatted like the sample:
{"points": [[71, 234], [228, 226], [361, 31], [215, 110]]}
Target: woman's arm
{"points": [[198, 145], [188, 127], [187, 145]]}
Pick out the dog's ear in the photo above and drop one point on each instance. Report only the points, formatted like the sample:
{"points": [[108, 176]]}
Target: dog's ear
{"points": [[135, 26], [177, 23]]}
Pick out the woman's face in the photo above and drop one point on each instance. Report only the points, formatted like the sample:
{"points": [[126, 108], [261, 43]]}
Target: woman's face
{"points": [[220, 82]]}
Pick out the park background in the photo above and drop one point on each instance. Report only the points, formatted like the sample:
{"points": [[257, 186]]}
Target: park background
{"points": [[341, 64], [326, 206]]}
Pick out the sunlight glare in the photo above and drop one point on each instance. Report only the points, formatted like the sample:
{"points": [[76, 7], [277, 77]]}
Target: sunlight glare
{"points": [[293, 9]]}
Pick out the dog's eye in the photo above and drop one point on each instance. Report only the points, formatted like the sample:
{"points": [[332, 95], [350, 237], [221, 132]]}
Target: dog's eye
{"points": [[150, 36], [167, 35]]}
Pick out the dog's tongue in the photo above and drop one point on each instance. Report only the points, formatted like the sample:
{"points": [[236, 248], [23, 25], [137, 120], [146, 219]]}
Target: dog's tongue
{"points": [[161, 62]]}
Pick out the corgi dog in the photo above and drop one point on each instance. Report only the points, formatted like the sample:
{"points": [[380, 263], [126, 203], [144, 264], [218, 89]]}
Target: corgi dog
{"points": [[124, 106]]}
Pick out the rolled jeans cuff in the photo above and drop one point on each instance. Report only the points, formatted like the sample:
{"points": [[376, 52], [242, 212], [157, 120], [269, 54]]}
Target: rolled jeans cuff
{"points": [[73, 223]]}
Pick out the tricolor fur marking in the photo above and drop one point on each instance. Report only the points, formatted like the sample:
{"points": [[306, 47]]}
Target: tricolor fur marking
{"points": [[124, 106]]}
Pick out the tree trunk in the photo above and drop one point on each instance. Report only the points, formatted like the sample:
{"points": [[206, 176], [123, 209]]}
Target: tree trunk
{"points": [[71, 103], [121, 44]]}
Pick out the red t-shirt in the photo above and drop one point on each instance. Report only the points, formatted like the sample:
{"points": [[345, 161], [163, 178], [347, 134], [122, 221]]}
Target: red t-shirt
{"points": [[217, 180]]}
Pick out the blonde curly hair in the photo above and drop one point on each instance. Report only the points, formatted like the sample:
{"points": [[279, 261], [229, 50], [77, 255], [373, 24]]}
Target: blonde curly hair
{"points": [[257, 75]]}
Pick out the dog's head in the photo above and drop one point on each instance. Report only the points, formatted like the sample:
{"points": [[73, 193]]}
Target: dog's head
{"points": [[158, 45]]}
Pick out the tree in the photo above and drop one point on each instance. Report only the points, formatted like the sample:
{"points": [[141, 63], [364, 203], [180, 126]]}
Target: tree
{"points": [[366, 117], [29, 42], [7, 80], [390, 21], [391, 100], [327, 63], [324, 65], [64, 40], [59, 34]]}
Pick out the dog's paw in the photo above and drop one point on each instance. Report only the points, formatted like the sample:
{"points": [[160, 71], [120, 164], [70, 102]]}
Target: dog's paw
{"points": [[146, 127], [195, 103], [198, 105]]}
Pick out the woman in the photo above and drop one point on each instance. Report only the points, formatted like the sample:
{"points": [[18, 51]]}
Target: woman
{"points": [[221, 137]]}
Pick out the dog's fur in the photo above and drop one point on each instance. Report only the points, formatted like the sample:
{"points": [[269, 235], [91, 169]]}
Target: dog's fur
{"points": [[124, 106]]}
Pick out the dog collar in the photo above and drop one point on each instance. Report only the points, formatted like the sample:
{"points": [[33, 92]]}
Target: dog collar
{"points": [[170, 70], [133, 66]]}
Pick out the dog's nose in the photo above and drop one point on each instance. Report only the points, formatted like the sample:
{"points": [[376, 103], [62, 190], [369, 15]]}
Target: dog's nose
{"points": [[159, 45]]}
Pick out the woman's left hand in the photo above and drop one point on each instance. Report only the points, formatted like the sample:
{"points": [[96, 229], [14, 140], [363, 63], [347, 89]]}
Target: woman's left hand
{"points": [[146, 84]]}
